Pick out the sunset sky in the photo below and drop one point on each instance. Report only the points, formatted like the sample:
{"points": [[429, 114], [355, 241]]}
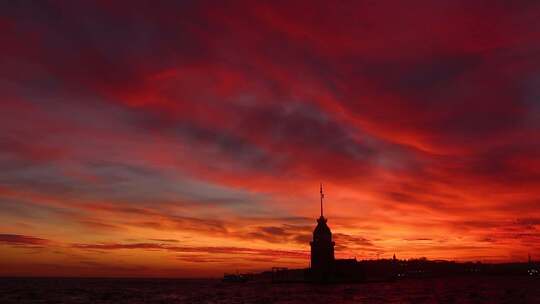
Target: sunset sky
{"points": [[188, 139]]}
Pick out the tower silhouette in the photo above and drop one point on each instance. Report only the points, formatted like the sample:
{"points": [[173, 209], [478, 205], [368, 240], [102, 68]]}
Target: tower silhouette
{"points": [[322, 246]]}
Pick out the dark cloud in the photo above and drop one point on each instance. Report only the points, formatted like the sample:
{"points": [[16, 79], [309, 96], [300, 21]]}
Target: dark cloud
{"points": [[421, 74], [351, 241], [17, 239], [99, 226], [280, 234], [165, 240], [530, 221], [114, 246]]}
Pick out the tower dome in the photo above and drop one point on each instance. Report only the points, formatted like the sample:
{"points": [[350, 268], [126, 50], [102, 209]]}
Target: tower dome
{"points": [[322, 231]]}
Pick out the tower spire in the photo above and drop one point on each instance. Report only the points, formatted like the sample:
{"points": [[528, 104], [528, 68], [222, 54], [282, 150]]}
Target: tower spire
{"points": [[322, 196]]}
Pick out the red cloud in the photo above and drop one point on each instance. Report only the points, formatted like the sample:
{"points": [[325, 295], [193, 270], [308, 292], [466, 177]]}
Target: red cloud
{"points": [[215, 123]]}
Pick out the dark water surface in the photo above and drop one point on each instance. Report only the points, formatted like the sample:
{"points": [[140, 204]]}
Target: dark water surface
{"points": [[438, 290]]}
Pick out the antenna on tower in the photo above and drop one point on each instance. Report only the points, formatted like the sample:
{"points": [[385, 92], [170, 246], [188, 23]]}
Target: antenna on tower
{"points": [[322, 196]]}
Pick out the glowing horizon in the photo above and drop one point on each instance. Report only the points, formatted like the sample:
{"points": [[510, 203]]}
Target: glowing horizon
{"points": [[190, 139]]}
